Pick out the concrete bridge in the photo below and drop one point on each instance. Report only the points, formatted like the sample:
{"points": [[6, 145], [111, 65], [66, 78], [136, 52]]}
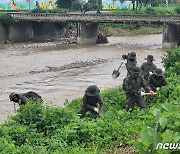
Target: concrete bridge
{"points": [[87, 28]]}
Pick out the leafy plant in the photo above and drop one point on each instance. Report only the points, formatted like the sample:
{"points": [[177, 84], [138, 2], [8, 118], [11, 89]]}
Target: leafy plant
{"points": [[37, 128], [5, 19]]}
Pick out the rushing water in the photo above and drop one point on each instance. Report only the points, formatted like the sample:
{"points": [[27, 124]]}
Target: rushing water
{"points": [[59, 72]]}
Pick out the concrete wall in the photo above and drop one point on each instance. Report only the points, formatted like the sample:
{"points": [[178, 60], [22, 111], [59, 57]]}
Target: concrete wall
{"points": [[171, 35], [3, 34], [27, 31], [44, 31], [87, 33], [20, 32]]}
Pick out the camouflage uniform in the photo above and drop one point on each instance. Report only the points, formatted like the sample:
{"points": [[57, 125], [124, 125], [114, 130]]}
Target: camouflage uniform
{"points": [[132, 86], [131, 61], [156, 80], [91, 99], [22, 98], [146, 67]]}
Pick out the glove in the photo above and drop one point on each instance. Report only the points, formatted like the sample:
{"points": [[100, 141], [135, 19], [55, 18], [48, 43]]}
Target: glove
{"points": [[152, 93], [157, 88], [142, 93], [123, 62], [150, 73], [124, 56], [96, 109]]}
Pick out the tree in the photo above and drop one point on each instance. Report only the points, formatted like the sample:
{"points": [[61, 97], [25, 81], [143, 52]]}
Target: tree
{"points": [[29, 3], [64, 3]]}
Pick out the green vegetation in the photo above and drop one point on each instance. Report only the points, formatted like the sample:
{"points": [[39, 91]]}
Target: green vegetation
{"points": [[56, 10], [171, 62], [37, 128], [138, 29], [129, 29], [177, 9], [173, 10], [5, 19]]}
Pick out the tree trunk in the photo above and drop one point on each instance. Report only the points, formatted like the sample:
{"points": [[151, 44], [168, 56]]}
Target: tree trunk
{"points": [[133, 2]]}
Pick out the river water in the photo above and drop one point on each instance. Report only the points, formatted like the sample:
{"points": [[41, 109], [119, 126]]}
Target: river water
{"points": [[59, 72]]}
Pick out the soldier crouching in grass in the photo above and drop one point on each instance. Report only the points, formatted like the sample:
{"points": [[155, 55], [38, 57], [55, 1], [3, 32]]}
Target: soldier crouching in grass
{"points": [[132, 85], [91, 99], [23, 98], [157, 80]]}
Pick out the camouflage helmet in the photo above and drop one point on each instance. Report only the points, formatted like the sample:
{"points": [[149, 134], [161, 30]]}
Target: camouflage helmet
{"points": [[132, 55], [150, 58], [158, 72], [136, 70], [13, 96], [92, 90]]}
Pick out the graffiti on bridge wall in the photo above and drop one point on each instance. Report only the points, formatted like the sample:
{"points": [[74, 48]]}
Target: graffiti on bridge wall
{"points": [[115, 4], [27, 4]]}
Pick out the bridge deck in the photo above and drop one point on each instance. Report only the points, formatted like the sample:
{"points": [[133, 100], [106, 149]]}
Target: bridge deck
{"points": [[100, 18]]}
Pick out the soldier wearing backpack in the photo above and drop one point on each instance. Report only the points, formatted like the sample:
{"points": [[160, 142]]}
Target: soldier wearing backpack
{"points": [[23, 98], [132, 85], [131, 61]]}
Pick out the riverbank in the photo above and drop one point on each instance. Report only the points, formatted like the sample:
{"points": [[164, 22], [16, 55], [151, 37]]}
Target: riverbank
{"points": [[129, 29], [38, 128], [59, 72]]}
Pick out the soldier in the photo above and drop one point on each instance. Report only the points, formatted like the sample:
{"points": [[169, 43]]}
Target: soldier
{"points": [[156, 80], [132, 85], [131, 61], [148, 67], [23, 98], [91, 99]]}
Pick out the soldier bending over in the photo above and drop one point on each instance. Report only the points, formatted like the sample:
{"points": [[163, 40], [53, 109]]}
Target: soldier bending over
{"points": [[91, 99], [23, 98], [156, 80]]}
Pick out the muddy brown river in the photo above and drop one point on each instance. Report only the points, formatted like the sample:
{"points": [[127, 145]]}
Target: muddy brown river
{"points": [[59, 72]]}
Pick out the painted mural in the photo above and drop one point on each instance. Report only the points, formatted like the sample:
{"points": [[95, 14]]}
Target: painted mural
{"points": [[115, 4], [26, 4]]}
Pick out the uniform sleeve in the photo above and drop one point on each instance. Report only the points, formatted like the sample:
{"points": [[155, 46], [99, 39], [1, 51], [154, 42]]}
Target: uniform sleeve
{"points": [[142, 69], [22, 99], [128, 87], [155, 67], [145, 85], [85, 103], [150, 82], [101, 103], [164, 81]]}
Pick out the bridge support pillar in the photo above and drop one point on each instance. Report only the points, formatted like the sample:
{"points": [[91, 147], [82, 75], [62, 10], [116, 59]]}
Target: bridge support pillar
{"points": [[3, 34], [87, 33], [21, 31], [171, 35]]}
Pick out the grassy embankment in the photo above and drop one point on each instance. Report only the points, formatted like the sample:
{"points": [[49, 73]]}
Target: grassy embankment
{"points": [[138, 29], [37, 128]]}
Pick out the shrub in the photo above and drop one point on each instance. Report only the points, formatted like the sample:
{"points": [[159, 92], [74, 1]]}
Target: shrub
{"points": [[37, 128], [5, 19], [58, 10], [38, 10], [177, 9], [171, 61], [150, 10]]}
